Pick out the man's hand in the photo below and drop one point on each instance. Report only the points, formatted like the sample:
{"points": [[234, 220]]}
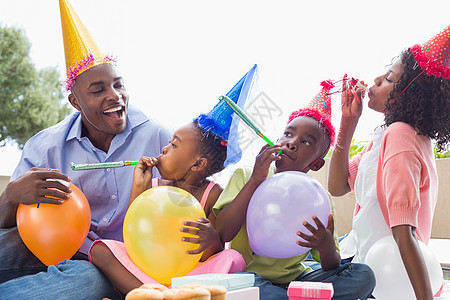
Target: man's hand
{"points": [[38, 186]]}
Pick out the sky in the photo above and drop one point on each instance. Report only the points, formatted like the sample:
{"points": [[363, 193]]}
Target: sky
{"points": [[177, 57]]}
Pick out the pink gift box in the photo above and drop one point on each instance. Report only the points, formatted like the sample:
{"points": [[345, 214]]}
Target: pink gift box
{"points": [[305, 290]]}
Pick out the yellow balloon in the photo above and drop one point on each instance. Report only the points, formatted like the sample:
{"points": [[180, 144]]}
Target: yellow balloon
{"points": [[152, 235]]}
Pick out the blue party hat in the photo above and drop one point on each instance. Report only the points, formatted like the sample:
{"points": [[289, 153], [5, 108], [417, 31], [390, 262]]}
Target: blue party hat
{"points": [[223, 122]]}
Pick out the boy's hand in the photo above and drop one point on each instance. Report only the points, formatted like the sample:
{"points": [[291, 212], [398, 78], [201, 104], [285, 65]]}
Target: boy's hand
{"points": [[351, 105], [322, 238], [207, 235], [266, 156]]}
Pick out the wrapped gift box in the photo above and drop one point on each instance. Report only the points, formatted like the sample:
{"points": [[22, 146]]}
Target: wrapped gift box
{"points": [[250, 293], [230, 281], [305, 290]]}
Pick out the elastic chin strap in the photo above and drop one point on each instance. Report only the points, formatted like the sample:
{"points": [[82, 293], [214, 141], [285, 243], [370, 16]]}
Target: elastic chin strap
{"points": [[411, 82], [320, 157], [182, 178]]}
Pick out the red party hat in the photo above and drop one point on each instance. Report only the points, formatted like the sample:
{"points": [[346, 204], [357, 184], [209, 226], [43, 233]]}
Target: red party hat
{"points": [[322, 101], [319, 108], [434, 56]]}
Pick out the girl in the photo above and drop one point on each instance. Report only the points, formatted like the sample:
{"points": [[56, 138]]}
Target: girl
{"points": [[186, 162], [395, 178], [196, 151]]}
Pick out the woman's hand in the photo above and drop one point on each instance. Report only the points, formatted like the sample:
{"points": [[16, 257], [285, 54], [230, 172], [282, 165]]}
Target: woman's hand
{"points": [[265, 157], [208, 238], [351, 100]]}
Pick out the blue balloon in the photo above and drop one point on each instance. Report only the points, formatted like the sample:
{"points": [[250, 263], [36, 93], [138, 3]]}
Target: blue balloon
{"points": [[278, 209]]}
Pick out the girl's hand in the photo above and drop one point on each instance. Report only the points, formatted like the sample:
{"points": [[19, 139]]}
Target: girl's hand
{"points": [[266, 156], [143, 172], [142, 177], [208, 238], [351, 105], [321, 239]]}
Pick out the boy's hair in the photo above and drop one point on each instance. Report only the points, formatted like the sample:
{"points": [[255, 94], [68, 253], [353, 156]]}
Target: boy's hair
{"points": [[424, 104], [323, 119], [212, 148]]}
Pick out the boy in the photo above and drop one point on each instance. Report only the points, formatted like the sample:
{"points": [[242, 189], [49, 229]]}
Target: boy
{"points": [[306, 140]]}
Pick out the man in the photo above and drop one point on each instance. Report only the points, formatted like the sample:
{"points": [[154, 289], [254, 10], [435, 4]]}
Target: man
{"points": [[103, 129]]}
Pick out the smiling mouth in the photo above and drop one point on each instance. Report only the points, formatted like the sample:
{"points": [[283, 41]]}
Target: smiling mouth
{"points": [[115, 112]]}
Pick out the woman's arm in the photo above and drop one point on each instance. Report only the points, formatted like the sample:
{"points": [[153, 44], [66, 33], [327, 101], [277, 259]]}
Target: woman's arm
{"points": [[413, 261], [338, 170], [339, 164]]}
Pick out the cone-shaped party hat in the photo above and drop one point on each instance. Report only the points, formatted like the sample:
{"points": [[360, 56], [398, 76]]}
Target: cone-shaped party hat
{"points": [[81, 51], [223, 122], [319, 108], [434, 56]]}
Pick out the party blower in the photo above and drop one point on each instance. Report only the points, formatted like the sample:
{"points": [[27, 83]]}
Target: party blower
{"points": [[246, 119], [111, 164]]}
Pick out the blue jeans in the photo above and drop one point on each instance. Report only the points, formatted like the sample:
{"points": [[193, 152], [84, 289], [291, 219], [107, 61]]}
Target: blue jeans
{"points": [[314, 265], [310, 262], [23, 276], [350, 282]]}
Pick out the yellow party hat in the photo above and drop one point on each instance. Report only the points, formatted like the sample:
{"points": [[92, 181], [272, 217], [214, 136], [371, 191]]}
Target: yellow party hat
{"points": [[81, 51]]}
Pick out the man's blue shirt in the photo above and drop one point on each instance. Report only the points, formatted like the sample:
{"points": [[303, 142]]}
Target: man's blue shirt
{"points": [[107, 190]]}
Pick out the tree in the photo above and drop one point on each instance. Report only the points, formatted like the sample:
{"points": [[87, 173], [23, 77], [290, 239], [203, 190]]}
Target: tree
{"points": [[30, 99]]}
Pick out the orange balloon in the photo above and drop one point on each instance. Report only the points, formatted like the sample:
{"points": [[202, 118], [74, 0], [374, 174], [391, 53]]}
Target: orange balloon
{"points": [[55, 232]]}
